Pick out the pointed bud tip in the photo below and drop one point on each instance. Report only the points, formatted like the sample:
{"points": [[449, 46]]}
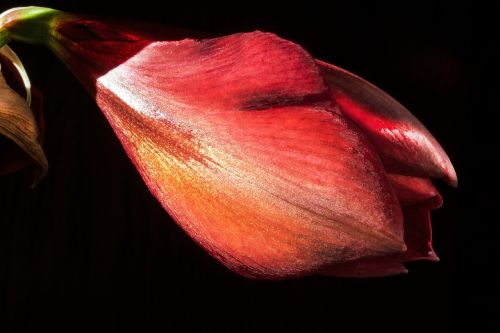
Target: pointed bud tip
{"points": [[451, 175], [444, 169]]}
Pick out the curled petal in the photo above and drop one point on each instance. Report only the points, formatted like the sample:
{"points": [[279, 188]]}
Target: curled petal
{"points": [[414, 190], [15, 74], [404, 144], [12, 156], [418, 234]]}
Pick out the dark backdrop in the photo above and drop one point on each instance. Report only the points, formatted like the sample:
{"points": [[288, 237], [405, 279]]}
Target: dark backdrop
{"points": [[90, 249]]}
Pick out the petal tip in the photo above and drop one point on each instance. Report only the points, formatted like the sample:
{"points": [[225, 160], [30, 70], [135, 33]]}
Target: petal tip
{"points": [[445, 167], [433, 257], [451, 175]]}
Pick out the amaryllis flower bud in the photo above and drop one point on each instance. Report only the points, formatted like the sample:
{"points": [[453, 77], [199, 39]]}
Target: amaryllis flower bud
{"points": [[277, 164]]}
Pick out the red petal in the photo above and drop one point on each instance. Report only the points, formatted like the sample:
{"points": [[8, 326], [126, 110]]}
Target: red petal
{"points": [[414, 190], [418, 234], [280, 197], [418, 239], [237, 139], [369, 267], [404, 144]]}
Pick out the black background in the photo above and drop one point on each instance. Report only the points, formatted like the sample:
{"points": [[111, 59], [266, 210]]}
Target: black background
{"points": [[90, 249]]}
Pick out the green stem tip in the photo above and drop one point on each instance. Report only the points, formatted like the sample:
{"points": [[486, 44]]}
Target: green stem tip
{"points": [[27, 24]]}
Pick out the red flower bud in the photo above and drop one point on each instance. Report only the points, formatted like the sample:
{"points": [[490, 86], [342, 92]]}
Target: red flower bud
{"points": [[275, 163]]}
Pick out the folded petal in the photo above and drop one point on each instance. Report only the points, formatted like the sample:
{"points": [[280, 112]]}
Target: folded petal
{"points": [[261, 171], [367, 267], [417, 197], [14, 158], [404, 144], [415, 190], [418, 234], [418, 239]]}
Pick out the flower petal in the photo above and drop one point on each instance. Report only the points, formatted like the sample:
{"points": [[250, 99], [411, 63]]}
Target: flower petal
{"points": [[367, 267], [258, 169], [418, 234], [272, 199], [414, 190], [404, 144], [418, 239]]}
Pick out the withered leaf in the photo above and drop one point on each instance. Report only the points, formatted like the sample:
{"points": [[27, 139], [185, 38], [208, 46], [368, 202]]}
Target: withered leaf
{"points": [[18, 123]]}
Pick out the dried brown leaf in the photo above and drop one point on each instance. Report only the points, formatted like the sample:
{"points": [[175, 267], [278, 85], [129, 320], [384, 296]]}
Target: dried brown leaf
{"points": [[18, 124]]}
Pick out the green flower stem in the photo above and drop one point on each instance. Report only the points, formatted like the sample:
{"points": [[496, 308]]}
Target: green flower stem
{"points": [[27, 24], [3, 37]]}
